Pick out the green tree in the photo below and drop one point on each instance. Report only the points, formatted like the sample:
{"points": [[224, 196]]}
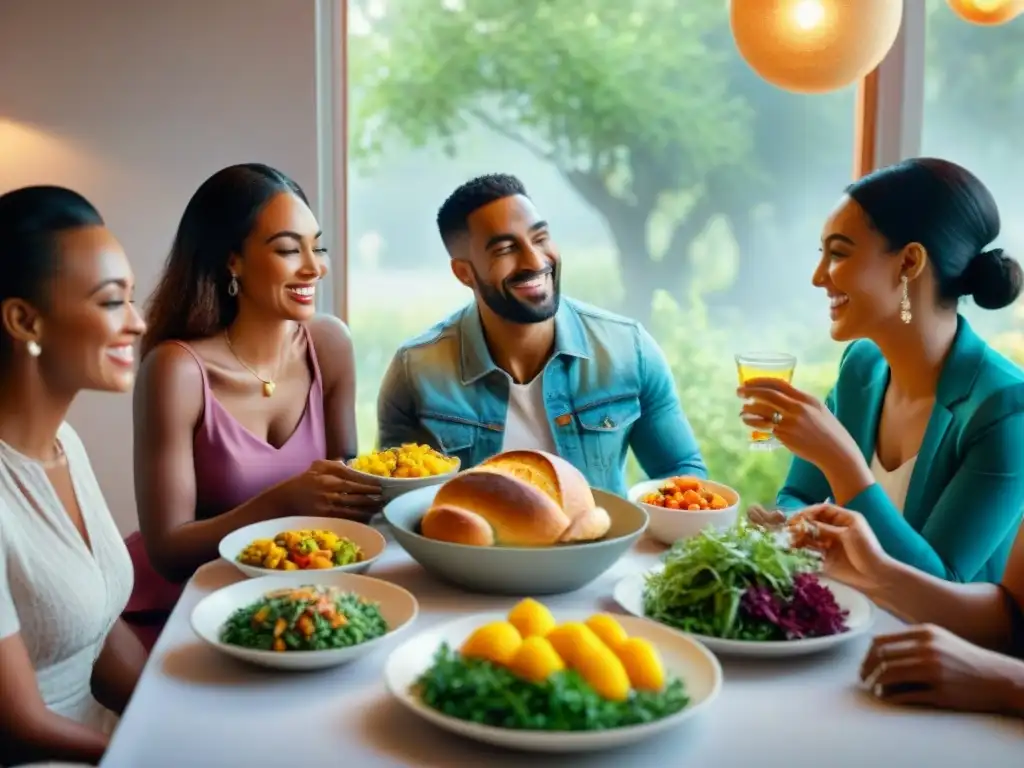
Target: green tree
{"points": [[644, 107]]}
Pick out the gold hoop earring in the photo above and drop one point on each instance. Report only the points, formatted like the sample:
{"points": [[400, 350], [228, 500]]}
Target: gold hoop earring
{"points": [[905, 314], [33, 348], [233, 286]]}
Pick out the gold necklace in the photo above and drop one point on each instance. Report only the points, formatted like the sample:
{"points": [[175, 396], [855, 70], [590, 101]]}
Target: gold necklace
{"points": [[268, 384]]}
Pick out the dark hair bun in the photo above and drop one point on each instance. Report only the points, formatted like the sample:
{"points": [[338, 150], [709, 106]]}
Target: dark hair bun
{"points": [[993, 279]]}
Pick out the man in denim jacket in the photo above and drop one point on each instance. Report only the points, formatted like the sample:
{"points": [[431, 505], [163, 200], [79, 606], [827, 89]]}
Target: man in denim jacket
{"points": [[523, 368]]}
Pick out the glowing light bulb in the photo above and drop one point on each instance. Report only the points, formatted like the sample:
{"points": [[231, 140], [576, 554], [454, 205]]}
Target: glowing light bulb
{"points": [[808, 14]]}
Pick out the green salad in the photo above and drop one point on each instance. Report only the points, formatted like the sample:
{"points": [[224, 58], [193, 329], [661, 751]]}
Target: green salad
{"points": [[307, 618], [742, 583], [482, 692]]}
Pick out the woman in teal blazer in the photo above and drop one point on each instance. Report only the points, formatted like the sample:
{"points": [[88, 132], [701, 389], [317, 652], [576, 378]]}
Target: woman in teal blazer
{"points": [[923, 433]]}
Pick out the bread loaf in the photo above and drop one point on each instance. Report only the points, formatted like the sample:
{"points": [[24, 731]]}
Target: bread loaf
{"points": [[519, 498]]}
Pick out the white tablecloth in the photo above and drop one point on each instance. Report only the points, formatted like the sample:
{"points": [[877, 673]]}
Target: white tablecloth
{"points": [[197, 708]]}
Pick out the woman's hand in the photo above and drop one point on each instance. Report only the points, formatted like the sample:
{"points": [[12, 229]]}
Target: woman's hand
{"points": [[930, 666], [851, 550], [811, 431], [764, 517], [333, 489]]}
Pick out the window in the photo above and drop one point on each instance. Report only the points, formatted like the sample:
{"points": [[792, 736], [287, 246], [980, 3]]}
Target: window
{"points": [[682, 189], [973, 112]]}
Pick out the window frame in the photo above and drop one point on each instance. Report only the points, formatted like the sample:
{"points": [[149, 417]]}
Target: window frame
{"points": [[888, 124]]}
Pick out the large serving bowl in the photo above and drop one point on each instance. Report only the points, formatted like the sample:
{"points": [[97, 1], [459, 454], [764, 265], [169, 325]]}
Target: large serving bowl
{"points": [[398, 607], [515, 570], [368, 539], [393, 487], [670, 525]]}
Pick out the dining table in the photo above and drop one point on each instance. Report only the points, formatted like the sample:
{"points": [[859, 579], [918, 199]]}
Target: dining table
{"points": [[196, 707]]}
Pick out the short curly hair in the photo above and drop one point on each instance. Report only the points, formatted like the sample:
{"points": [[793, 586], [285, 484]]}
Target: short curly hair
{"points": [[453, 215]]}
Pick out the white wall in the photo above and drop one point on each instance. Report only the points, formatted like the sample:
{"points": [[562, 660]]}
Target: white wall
{"points": [[134, 103]]}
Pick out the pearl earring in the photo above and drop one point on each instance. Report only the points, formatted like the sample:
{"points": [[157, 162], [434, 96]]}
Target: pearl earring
{"points": [[233, 286], [905, 315], [34, 349]]}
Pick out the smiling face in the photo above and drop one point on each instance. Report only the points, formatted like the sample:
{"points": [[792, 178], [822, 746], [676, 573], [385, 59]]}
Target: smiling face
{"points": [[282, 260], [87, 324], [510, 261], [862, 274]]}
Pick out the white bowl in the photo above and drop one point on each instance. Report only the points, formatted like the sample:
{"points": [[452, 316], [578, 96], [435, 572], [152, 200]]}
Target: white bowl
{"points": [[670, 525], [629, 593], [393, 487], [368, 539], [398, 607], [682, 657]]}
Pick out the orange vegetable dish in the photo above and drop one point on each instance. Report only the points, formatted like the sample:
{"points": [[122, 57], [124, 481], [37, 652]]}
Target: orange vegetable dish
{"points": [[687, 493]]}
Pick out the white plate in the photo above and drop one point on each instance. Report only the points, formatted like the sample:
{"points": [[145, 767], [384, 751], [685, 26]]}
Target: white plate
{"points": [[398, 607], [683, 657], [629, 593], [369, 540]]}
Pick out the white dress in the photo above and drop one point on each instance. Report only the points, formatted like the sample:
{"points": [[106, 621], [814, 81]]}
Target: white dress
{"points": [[63, 598]]}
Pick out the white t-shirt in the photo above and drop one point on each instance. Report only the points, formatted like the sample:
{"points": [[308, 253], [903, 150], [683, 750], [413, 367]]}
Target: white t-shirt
{"points": [[526, 424], [895, 483]]}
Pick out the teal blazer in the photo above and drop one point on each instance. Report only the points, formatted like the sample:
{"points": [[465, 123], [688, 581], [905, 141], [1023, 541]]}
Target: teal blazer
{"points": [[966, 494]]}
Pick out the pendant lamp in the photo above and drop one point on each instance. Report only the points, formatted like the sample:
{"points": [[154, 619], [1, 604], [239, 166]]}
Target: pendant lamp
{"points": [[814, 46], [987, 12]]}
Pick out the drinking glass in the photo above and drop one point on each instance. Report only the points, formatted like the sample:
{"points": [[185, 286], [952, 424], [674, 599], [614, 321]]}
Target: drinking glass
{"points": [[765, 365]]}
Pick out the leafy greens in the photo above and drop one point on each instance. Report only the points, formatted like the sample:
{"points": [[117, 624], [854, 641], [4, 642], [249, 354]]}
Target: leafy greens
{"points": [[741, 583], [482, 692]]}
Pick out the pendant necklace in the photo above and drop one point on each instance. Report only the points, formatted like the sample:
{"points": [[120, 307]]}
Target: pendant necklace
{"points": [[268, 384]]}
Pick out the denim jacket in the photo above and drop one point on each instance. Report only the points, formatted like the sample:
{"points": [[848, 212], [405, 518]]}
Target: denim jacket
{"points": [[607, 388]]}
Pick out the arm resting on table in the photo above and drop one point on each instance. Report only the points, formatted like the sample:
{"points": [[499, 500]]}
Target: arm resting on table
{"points": [[662, 438]]}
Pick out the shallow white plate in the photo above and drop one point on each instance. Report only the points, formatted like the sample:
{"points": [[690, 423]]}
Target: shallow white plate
{"points": [[682, 656], [398, 607], [369, 540], [629, 593]]}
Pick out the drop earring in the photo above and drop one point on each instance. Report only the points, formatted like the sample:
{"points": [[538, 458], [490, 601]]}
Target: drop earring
{"points": [[34, 349], [905, 315], [233, 286]]}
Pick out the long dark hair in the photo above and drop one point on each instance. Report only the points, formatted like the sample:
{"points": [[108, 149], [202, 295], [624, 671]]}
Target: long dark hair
{"points": [[946, 209], [191, 300], [31, 218]]}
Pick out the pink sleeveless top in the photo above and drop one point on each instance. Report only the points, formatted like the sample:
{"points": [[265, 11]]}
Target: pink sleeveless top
{"points": [[232, 465]]}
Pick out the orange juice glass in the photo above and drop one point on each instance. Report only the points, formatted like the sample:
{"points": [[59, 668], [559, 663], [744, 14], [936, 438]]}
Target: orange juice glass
{"points": [[765, 365]]}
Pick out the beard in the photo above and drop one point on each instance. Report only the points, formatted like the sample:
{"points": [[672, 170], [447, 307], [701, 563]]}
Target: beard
{"points": [[503, 302]]}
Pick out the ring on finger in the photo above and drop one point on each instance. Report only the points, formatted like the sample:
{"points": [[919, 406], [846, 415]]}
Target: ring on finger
{"points": [[776, 418]]}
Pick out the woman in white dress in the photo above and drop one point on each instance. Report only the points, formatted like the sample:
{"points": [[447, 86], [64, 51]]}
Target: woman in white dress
{"points": [[67, 324]]}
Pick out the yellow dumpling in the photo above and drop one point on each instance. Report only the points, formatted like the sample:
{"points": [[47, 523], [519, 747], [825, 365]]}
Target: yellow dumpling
{"points": [[531, 618], [642, 663], [570, 639], [603, 671], [608, 629], [496, 642], [536, 660]]}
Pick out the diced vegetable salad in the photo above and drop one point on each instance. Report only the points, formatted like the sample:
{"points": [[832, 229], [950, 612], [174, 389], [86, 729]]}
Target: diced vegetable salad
{"points": [[306, 618]]}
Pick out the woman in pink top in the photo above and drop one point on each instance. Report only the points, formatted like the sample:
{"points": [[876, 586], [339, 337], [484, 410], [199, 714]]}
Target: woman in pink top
{"points": [[244, 392]]}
